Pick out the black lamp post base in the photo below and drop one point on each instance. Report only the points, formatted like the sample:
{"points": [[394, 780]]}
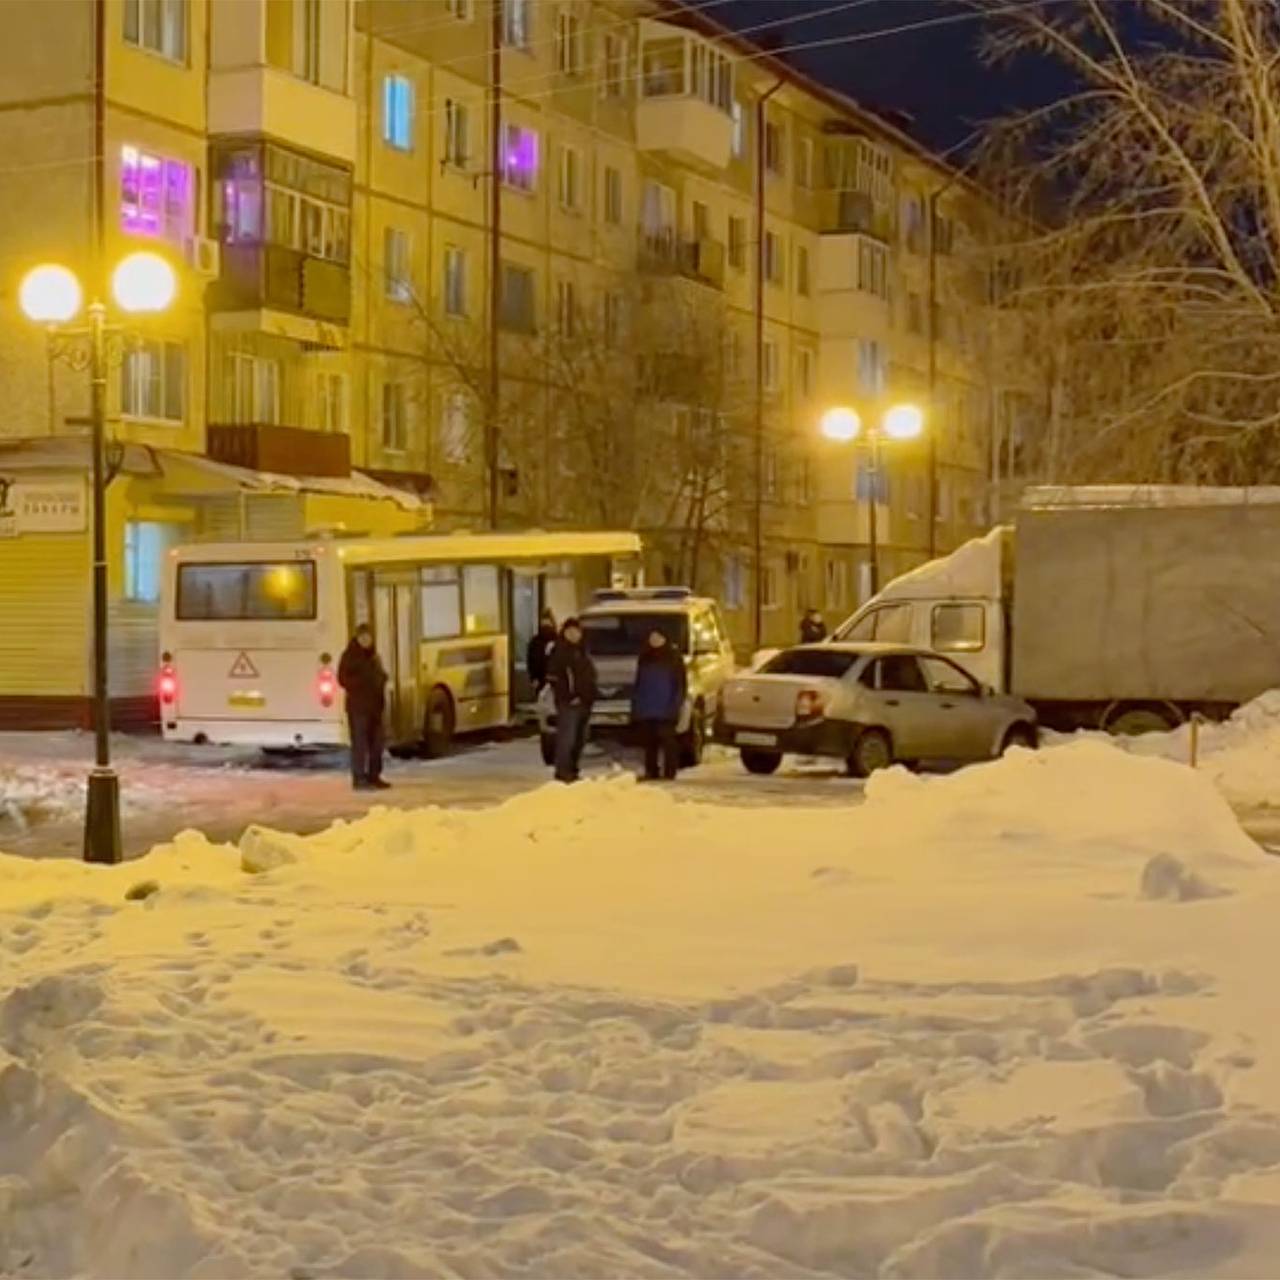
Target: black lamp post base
{"points": [[102, 818]]}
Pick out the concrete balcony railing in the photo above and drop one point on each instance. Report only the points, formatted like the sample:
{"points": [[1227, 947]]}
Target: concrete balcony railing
{"points": [[686, 128]]}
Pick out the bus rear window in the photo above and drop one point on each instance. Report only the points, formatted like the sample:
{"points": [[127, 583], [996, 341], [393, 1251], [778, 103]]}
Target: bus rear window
{"points": [[262, 591]]}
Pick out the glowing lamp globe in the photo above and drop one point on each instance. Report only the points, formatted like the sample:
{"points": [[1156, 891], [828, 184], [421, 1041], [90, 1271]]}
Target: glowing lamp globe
{"points": [[841, 425], [903, 422], [144, 282], [49, 294]]}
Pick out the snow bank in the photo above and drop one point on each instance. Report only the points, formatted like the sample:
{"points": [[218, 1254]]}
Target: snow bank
{"points": [[973, 1027]]}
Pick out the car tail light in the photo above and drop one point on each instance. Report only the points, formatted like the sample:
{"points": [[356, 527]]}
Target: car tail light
{"points": [[167, 685], [326, 687], [809, 703]]}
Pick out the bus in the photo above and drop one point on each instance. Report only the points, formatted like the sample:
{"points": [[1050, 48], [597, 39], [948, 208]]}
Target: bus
{"points": [[251, 632]]}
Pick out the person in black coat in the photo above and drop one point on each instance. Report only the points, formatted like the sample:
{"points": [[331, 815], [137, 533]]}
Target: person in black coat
{"points": [[657, 701], [364, 680], [812, 628], [572, 677], [539, 651]]}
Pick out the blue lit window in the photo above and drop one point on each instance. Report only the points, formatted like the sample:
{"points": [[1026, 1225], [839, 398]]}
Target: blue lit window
{"points": [[146, 542], [397, 112]]}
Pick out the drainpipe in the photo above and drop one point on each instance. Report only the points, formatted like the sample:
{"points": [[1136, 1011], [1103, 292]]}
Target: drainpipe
{"points": [[758, 521], [491, 444]]}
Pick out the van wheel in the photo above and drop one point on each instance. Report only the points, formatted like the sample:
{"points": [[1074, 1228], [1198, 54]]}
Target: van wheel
{"points": [[1138, 720], [693, 742], [872, 752], [1019, 735], [760, 762], [547, 741], [439, 724]]}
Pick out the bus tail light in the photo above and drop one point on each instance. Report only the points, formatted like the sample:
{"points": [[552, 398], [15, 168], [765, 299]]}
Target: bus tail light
{"points": [[167, 686], [809, 704], [326, 687]]}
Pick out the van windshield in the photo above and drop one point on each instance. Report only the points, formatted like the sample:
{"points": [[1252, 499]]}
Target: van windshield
{"points": [[623, 635], [277, 590]]}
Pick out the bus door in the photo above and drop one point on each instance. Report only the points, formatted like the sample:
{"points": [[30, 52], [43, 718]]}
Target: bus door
{"points": [[525, 611], [396, 625]]}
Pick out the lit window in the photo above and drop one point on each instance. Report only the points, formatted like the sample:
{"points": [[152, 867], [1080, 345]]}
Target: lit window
{"points": [[395, 252], [155, 196], [520, 158], [159, 26], [395, 417], [455, 281], [153, 381], [146, 547], [397, 112], [457, 133], [517, 23]]}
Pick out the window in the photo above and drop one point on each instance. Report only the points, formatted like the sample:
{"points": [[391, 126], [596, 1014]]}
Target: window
{"points": [[159, 26], [569, 42], [913, 223], [153, 381], [873, 268], [871, 366], [769, 594], [900, 673], [735, 583], [807, 366], [662, 68], [868, 482], [397, 112], [773, 257], [890, 623], [916, 488], [395, 416], [915, 313], [460, 9], [613, 196], [804, 484], [769, 480], [455, 280], [836, 584], [517, 23], [739, 118], [455, 428], [738, 243], [519, 286], [712, 76], [481, 599], [395, 253], [280, 591], [804, 162], [566, 307], [613, 318], [946, 677], [732, 352], [958, 628], [774, 156], [146, 548], [944, 234], [701, 219], [519, 158], [156, 196], [802, 271], [457, 133], [331, 401], [252, 390], [441, 603], [769, 356], [613, 84], [571, 179]]}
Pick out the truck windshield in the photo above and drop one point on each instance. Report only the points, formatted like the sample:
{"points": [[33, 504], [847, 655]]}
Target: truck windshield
{"points": [[831, 663], [623, 635], [261, 591]]}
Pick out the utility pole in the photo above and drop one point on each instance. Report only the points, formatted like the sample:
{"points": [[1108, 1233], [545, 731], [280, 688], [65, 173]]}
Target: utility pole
{"points": [[492, 448]]}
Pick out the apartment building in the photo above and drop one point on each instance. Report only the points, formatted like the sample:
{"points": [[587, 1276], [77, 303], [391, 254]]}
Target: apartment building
{"points": [[699, 251]]}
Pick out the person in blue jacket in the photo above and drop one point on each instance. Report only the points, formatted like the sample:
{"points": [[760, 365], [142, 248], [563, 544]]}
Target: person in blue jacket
{"points": [[656, 702]]}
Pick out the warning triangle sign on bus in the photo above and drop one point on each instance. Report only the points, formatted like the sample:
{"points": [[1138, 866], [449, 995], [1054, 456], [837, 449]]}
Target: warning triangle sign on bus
{"points": [[242, 668]]}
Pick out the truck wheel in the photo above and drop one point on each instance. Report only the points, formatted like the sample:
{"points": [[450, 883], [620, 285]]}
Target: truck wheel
{"points": [[547, 741], [872, 752], [1139, 720], [438, 724], [760, 762], [1019, 735], [693, 742]]}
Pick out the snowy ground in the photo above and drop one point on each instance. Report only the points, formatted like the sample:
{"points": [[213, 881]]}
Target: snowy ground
{"points": [[1015, 1022]]}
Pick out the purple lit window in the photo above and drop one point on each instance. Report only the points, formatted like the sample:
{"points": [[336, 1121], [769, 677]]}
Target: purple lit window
{"points": [[520, 158], [155, 196]]}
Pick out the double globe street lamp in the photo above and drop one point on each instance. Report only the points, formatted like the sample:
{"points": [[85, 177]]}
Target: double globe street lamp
{"points": [[143, 283], [843, 425]]}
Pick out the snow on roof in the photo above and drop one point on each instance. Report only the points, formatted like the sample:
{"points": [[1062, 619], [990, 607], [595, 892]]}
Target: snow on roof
{"points": [[973, 569], [1042, 497]]}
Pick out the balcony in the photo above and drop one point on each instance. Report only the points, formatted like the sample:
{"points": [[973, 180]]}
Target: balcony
{"points": [[663, 253], [856, 212], [284, 451], [686, 97], [267, 277], [268, 102]]}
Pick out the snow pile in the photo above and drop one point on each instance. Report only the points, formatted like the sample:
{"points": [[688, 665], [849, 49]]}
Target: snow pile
{"points": [[51, 792], [596, 1031]]}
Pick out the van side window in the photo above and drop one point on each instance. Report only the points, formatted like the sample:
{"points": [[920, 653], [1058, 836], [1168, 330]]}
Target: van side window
{"points": [[958, 628]]}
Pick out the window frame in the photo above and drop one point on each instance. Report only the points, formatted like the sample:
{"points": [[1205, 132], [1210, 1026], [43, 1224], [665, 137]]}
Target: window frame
{"points": [[517, 24], [399, 110], [613, 201], [457, 134], [138, 40], [964, 646], [306, 566], [327, 380], [569, 179], [515, 138], [570, 42], [130, 589], [454, 290], [132, 388], [395, 397]]}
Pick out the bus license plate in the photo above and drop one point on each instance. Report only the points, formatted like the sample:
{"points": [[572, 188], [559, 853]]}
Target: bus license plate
{"points": [[756, 739], [246, 700]]}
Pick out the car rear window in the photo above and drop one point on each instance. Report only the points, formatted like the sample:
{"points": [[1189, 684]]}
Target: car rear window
{"points": [[623, 635], [831, 663]]}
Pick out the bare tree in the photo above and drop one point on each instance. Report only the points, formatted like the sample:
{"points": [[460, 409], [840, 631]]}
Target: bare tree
{"points": [[1149, 296]]}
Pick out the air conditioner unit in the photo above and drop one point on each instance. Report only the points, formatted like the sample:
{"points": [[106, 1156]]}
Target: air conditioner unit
{"points": [[204, 256]]}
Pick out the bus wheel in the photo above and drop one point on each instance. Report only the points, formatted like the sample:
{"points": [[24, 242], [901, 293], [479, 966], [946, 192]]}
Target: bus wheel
{"points": [[439, 724]]}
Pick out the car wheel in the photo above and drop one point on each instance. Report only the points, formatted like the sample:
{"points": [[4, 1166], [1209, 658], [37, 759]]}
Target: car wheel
{"points": [[693, 742], [548, 743], [1019, 735], [438, 724], [872, 752], [760, 762]]}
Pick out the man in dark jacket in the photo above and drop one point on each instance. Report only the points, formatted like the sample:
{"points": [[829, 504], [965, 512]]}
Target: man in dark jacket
{"points": [[657, 701], [812, 629], [572, 677], [363, 677], [540, 650]]}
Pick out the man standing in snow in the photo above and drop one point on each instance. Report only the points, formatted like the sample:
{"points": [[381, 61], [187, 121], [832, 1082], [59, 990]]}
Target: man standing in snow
{"points": [[363, 677], [572, 677], [656, 703], [540, 650]]}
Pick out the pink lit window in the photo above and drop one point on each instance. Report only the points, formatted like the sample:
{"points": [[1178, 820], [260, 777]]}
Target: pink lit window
{"points": [[520, 158], [155, 196]]}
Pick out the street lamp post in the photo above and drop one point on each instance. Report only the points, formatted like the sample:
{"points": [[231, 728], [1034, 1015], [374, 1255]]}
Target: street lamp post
{"points": [[51, 295], [843, 426]]}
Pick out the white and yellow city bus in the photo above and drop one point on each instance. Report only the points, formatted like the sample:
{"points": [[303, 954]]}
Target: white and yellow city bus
{"points": [[251, 632]]}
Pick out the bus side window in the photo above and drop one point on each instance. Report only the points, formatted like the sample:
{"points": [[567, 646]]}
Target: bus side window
{"points": [[441, 603]]}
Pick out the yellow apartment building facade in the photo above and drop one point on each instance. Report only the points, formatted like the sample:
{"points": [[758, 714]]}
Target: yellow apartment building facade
{"points": [[697, 252]]}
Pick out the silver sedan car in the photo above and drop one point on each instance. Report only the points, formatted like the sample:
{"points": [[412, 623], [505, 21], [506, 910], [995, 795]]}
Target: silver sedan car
{"points": [[871, 705]]}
